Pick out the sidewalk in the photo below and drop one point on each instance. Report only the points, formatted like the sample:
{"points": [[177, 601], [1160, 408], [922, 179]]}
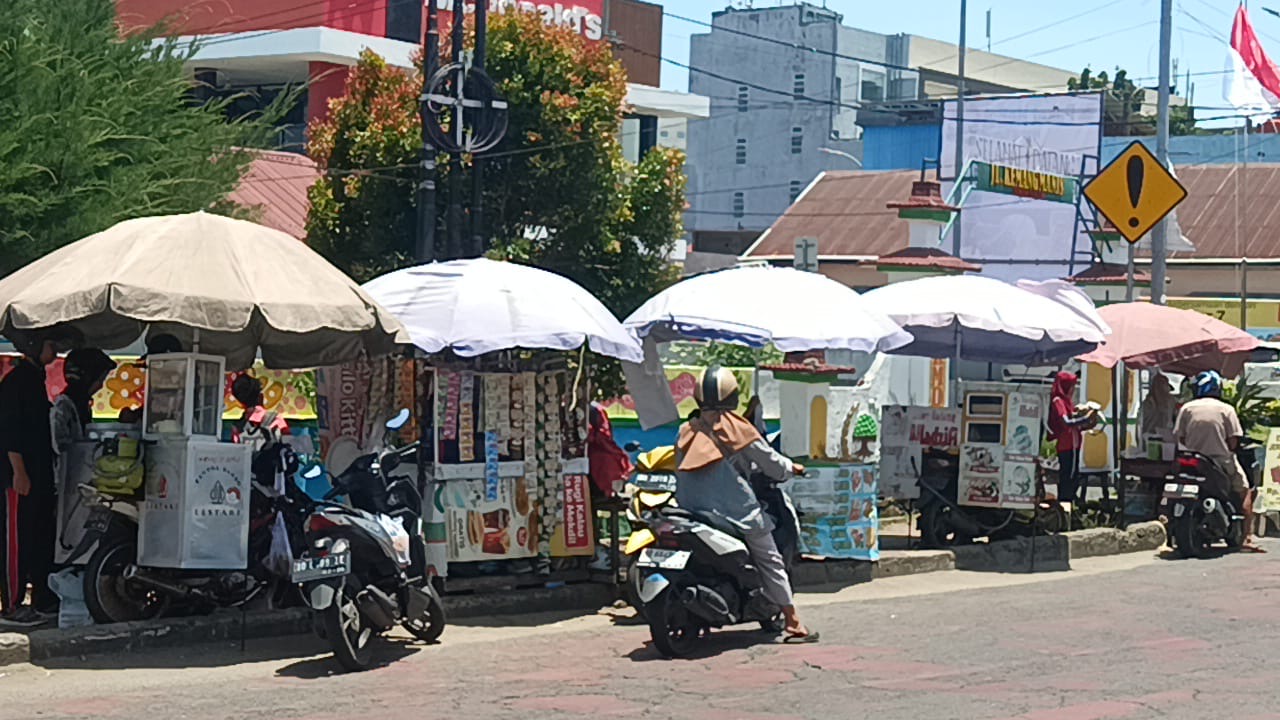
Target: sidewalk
{"points": [[1051, 553]]}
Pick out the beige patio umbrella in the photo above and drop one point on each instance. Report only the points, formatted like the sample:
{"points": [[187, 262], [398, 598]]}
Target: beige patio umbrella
{"points": [[235, 287]]}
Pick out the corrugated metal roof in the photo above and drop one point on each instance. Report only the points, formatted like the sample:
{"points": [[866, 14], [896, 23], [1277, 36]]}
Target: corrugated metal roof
{"points": [[276, 183], [846, 212]]}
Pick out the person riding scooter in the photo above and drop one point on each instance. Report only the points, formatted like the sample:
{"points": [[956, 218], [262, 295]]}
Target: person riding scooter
{"points": [[1209, 426], [716, 452]]}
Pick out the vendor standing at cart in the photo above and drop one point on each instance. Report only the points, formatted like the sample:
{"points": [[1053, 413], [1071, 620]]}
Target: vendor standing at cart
{"points": [[1067, 426], [30, 496]]}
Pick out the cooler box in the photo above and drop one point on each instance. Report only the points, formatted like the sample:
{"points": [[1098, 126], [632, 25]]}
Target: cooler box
{"points": [[196, 512]]}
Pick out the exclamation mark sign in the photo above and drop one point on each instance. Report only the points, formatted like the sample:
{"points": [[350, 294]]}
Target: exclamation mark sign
{"points": [[1136, 169]]}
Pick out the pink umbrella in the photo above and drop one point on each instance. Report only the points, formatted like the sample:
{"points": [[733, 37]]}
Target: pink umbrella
{"points": [[1145, 336]]}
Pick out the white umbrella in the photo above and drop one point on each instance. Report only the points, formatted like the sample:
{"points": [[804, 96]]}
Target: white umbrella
{"points": [[244, 287], [755, 306], [478, 306], [985, 320]]}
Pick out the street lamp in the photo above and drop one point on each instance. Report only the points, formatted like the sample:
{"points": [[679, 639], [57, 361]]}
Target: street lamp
{"points": [[841, 153]]}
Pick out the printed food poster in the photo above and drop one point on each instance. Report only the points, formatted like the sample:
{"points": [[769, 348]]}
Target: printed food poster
{"points": [[1022, 432], [488, 529], [837, 506], [1271, 472], [981, 475], [1019, 485], [905, 433]]}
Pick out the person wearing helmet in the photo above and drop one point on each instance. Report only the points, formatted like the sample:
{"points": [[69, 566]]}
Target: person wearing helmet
{"points": [[715, 455], [1209, 426], [85, 371], [258, 426]]}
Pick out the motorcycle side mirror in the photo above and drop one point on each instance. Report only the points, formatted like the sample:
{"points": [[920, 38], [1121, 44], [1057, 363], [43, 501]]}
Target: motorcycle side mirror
{"points": [[400, 420], [632, 446], [313, 472]]}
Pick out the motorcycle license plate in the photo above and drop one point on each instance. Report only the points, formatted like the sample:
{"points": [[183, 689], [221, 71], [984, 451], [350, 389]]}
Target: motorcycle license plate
{"points": [[319, 568], [664, 559], [655, 482]]}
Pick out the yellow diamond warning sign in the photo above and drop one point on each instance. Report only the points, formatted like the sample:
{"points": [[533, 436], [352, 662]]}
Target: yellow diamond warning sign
{"points": [[1135, 192]]}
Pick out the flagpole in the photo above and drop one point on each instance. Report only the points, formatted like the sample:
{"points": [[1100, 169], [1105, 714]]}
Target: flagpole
{"points": [[1160, 238]]}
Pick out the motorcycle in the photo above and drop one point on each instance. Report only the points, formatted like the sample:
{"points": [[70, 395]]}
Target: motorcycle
{"points": [[699, 575], [1204, 511], [653, 488], [365, 568], [116, 589]]}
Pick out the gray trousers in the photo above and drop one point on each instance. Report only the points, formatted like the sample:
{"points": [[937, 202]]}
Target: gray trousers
{"points": [[770, 565]]}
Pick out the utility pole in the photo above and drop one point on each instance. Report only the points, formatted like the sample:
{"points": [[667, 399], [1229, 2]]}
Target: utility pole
{"points": [[454, 218], [1160, 238], [477, 167], [964, 16], [425, 247]]}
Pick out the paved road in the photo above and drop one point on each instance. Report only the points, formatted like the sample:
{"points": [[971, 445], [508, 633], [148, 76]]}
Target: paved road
{"points": [[1126, 637]]}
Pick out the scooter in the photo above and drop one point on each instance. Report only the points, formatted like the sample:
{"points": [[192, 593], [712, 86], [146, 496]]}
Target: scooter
{"points": [[116, 589], [699, 575], [1204, 511], [365, 569], [653, 488]]}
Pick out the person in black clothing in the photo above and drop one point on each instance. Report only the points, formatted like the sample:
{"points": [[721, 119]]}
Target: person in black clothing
{"points": [[30, 494]]}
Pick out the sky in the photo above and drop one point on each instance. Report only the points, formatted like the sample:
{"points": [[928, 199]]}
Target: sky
{"points": [[1102, 34]]}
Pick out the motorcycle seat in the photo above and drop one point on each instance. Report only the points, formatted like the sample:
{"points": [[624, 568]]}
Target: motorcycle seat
{"points": [[709, 519]]}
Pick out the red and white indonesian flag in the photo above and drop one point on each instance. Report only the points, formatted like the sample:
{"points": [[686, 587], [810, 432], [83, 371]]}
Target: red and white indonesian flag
{"points": [[1253, 82]]}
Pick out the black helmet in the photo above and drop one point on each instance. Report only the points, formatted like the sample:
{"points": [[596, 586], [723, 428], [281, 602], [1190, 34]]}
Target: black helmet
{"points": [[247, 389], [86, 365], [717, 390]]}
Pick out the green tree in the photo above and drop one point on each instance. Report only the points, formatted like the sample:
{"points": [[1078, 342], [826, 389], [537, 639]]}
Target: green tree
{"points": [[559, 193], [1122, 105], [96, 128]]}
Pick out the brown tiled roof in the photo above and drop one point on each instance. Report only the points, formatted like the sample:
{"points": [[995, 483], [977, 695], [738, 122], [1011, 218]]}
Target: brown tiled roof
{"points": [[918, 257], [276, 185], [847, 213], [1109, 273]]}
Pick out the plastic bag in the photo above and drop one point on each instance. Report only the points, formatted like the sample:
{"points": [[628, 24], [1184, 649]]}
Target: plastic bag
{"points": [[69, 586]]}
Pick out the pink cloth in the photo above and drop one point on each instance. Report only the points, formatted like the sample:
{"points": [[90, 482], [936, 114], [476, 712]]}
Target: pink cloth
{"points": [[609, 463]]}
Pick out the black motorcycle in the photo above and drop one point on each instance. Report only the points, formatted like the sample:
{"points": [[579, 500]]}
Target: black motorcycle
{"points": [[1202, 509], [699, 575], [365, 570], [117, 589]]}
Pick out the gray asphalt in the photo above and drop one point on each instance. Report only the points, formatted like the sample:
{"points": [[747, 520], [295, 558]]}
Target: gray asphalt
{"points": [[1128, 637]]}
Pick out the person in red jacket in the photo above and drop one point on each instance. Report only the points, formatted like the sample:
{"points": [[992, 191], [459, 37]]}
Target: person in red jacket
{"points": [[1066, 426]]}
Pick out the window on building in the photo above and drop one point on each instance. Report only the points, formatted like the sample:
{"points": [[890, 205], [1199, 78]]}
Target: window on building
{"points": [[744, 98], [796, 188], [798, 85], [797, 140], [739, 204], [873, 84], [665, 133], [741, 156]]}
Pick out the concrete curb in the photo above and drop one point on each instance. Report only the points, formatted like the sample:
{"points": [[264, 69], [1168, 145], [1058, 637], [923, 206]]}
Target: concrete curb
{"points": [[1051, 553]]}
